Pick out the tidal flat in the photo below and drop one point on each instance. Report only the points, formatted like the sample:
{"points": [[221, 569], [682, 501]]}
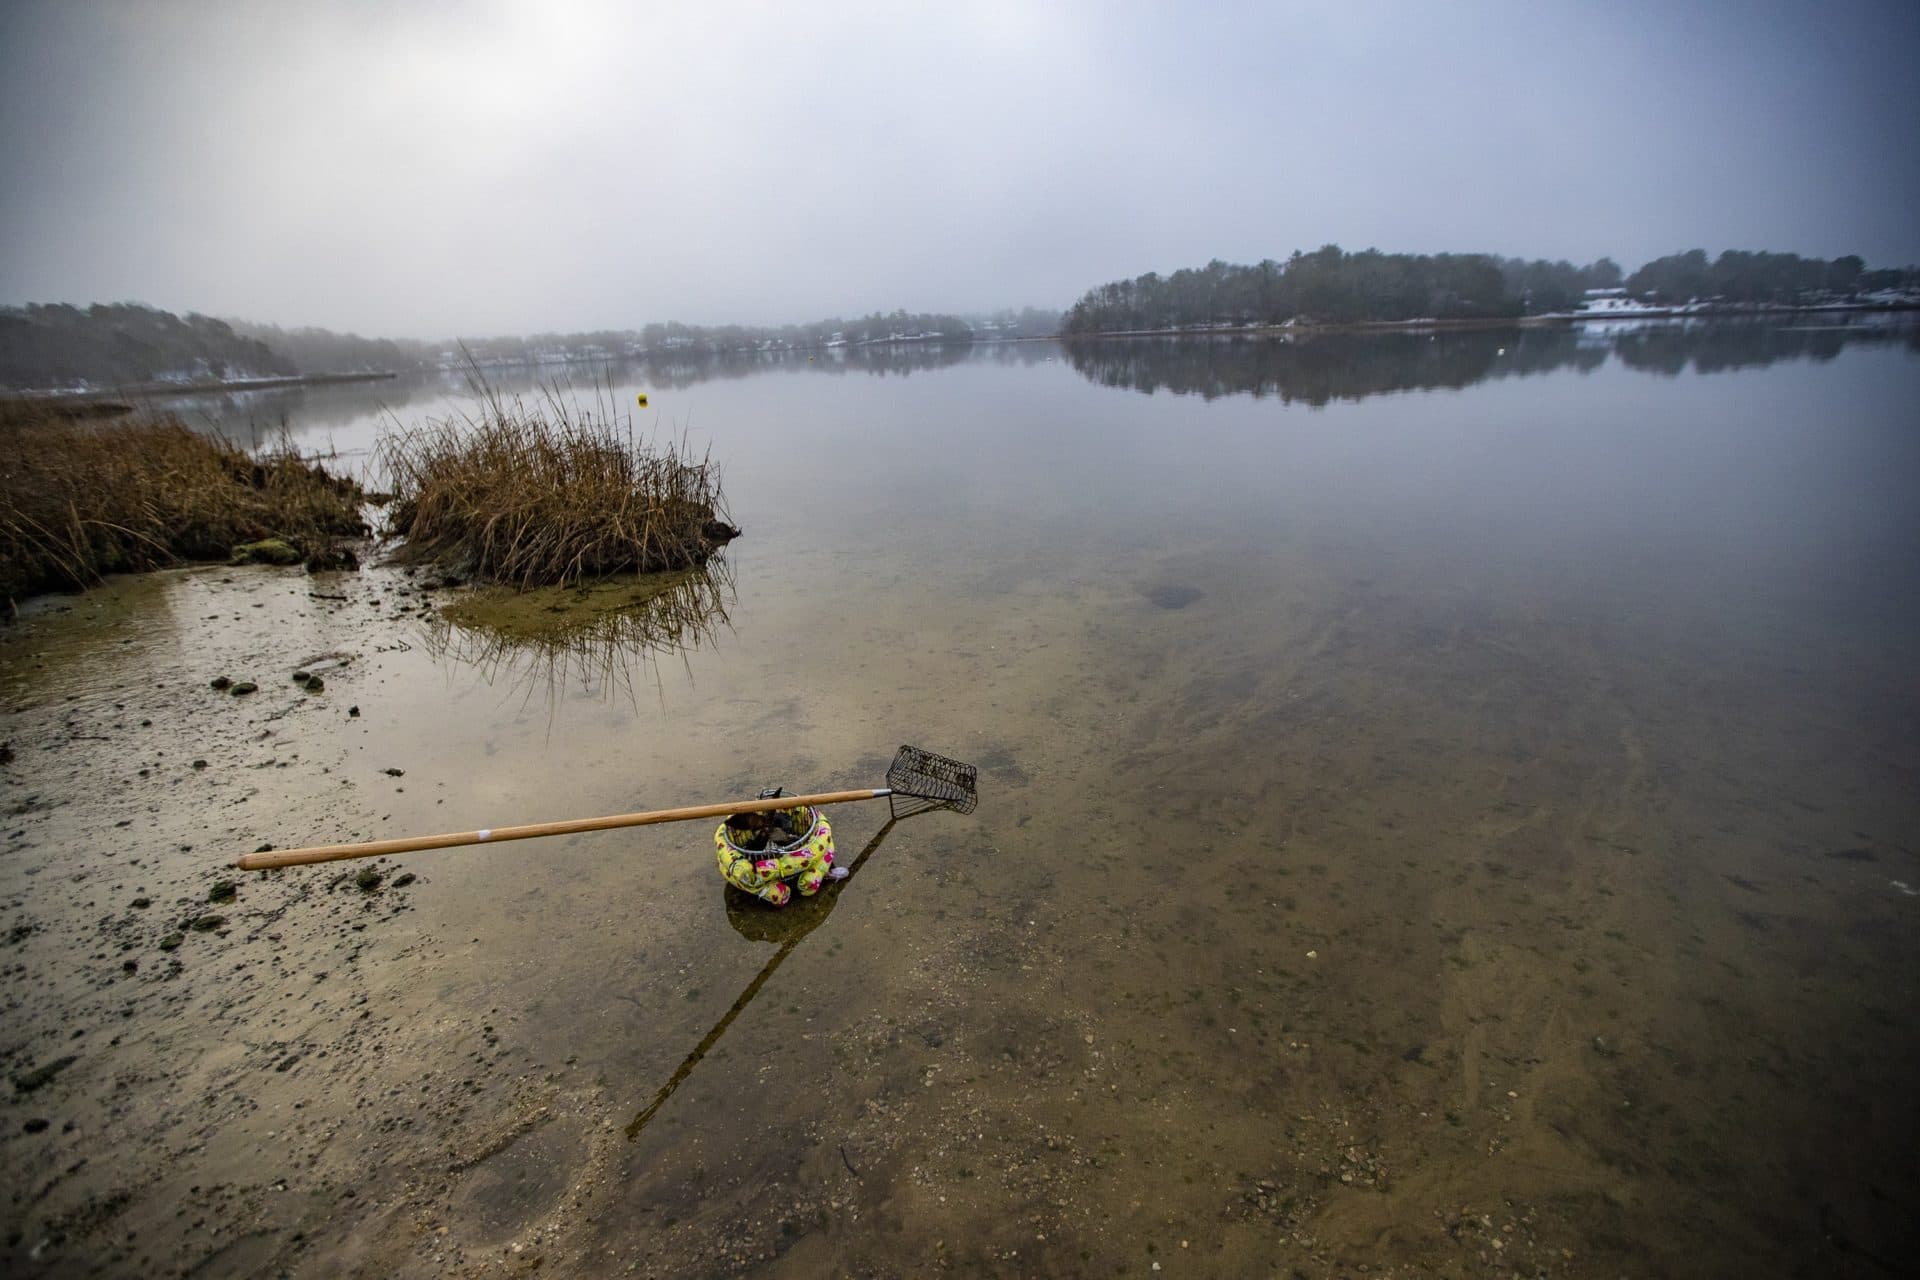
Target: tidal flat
{"points": [[1463, 831]]}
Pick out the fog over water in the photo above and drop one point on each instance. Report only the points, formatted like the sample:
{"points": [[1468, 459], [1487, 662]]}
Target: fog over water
{"points": [[415, 170]]}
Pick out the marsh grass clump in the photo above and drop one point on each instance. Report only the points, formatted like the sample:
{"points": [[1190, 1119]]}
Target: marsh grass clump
{"points": [[549, 493], [80, 500]]}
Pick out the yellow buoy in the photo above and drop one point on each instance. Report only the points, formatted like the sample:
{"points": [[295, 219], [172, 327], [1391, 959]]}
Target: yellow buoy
{"points": [[642, 398]]}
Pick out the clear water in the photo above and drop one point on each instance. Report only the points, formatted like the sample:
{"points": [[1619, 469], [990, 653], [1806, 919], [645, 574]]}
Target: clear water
{"points": [[1422, 777]]}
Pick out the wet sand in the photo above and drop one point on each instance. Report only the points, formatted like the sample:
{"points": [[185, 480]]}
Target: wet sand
{"points": [[1309, 922]]}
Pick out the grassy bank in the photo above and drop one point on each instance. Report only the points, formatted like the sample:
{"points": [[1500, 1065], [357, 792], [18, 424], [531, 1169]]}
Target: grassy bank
{"points": [[546, 493], [81, 500]]}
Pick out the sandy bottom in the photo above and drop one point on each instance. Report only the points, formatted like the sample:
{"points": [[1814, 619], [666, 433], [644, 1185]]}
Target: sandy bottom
{"points": [[1308, 926]]}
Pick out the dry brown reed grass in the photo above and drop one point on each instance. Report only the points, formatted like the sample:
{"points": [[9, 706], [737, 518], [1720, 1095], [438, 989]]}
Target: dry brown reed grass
{"points": [[549, 492], [79, 500]]}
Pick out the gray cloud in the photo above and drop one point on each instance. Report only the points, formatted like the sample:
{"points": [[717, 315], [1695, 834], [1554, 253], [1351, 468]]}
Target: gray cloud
{"points": [[431, 169]]}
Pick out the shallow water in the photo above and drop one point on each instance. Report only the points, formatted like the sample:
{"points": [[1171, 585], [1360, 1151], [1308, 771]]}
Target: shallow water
{"points": [[1445, 801]]}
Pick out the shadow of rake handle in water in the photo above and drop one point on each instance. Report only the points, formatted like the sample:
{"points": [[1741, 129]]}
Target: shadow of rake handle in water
{"points": [[767, 971]]}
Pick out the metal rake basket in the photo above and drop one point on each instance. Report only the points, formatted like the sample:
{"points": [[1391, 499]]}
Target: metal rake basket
{"points": [[920, 780]]}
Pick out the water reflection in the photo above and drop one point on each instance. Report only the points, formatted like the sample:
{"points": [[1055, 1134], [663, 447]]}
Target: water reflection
{"points": [[681, 369], [256, 418], [595, 638], [1320, 369], [1719, 348]]}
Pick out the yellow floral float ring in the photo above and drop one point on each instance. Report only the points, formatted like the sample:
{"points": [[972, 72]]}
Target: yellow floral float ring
{"points": [[765, 873]]}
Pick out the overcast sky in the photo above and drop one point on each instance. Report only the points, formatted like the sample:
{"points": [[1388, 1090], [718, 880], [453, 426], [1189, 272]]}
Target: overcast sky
{"points": [[438, 169]]}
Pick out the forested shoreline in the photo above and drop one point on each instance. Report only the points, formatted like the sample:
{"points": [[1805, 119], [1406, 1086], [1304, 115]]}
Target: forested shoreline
{"points": [[119, 345], [58, 345], [129, 345], [1332, 286]]}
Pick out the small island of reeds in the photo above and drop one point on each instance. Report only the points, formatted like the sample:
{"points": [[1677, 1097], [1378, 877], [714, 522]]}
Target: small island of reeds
{"points": [[547, 493]]}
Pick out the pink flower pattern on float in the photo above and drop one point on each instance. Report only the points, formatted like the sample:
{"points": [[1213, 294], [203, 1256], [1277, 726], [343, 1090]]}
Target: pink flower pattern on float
{"points": [[806, 865]]}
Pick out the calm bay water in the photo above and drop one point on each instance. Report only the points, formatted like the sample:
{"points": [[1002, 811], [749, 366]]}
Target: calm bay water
{"points": [[1724, 484], [1450, 802]]}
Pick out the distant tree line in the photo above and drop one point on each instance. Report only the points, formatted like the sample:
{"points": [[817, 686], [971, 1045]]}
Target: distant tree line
{"points": [[1778, 278], [109, 345], [676, 336], [1328, 285], [1331, 286], [121, 344], [57, 345], [324, 351], [1543, 286], [878, 327], [530, 348], [1027, 322]]}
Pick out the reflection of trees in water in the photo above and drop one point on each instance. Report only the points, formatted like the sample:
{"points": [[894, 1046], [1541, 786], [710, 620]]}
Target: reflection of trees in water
{"points": [[595, 639], [1319, 369], [1327, 367], [255, 419], [1718, 348], [683, 368]]}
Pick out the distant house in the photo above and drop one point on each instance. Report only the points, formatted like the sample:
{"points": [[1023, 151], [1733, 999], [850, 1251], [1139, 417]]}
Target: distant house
{"points": [[1891, 297], [1611, 302]]}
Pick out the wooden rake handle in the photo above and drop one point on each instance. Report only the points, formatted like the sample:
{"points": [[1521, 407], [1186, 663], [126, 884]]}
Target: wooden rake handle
{"points": [[409, 844]]}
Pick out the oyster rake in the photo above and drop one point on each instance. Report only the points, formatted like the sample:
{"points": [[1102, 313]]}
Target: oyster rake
{"points": [[917, 780]]}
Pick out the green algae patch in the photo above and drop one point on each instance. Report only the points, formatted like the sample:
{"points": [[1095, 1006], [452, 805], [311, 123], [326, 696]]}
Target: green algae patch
{"points": [[661, 604], [267, 551], [597, 634]]}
